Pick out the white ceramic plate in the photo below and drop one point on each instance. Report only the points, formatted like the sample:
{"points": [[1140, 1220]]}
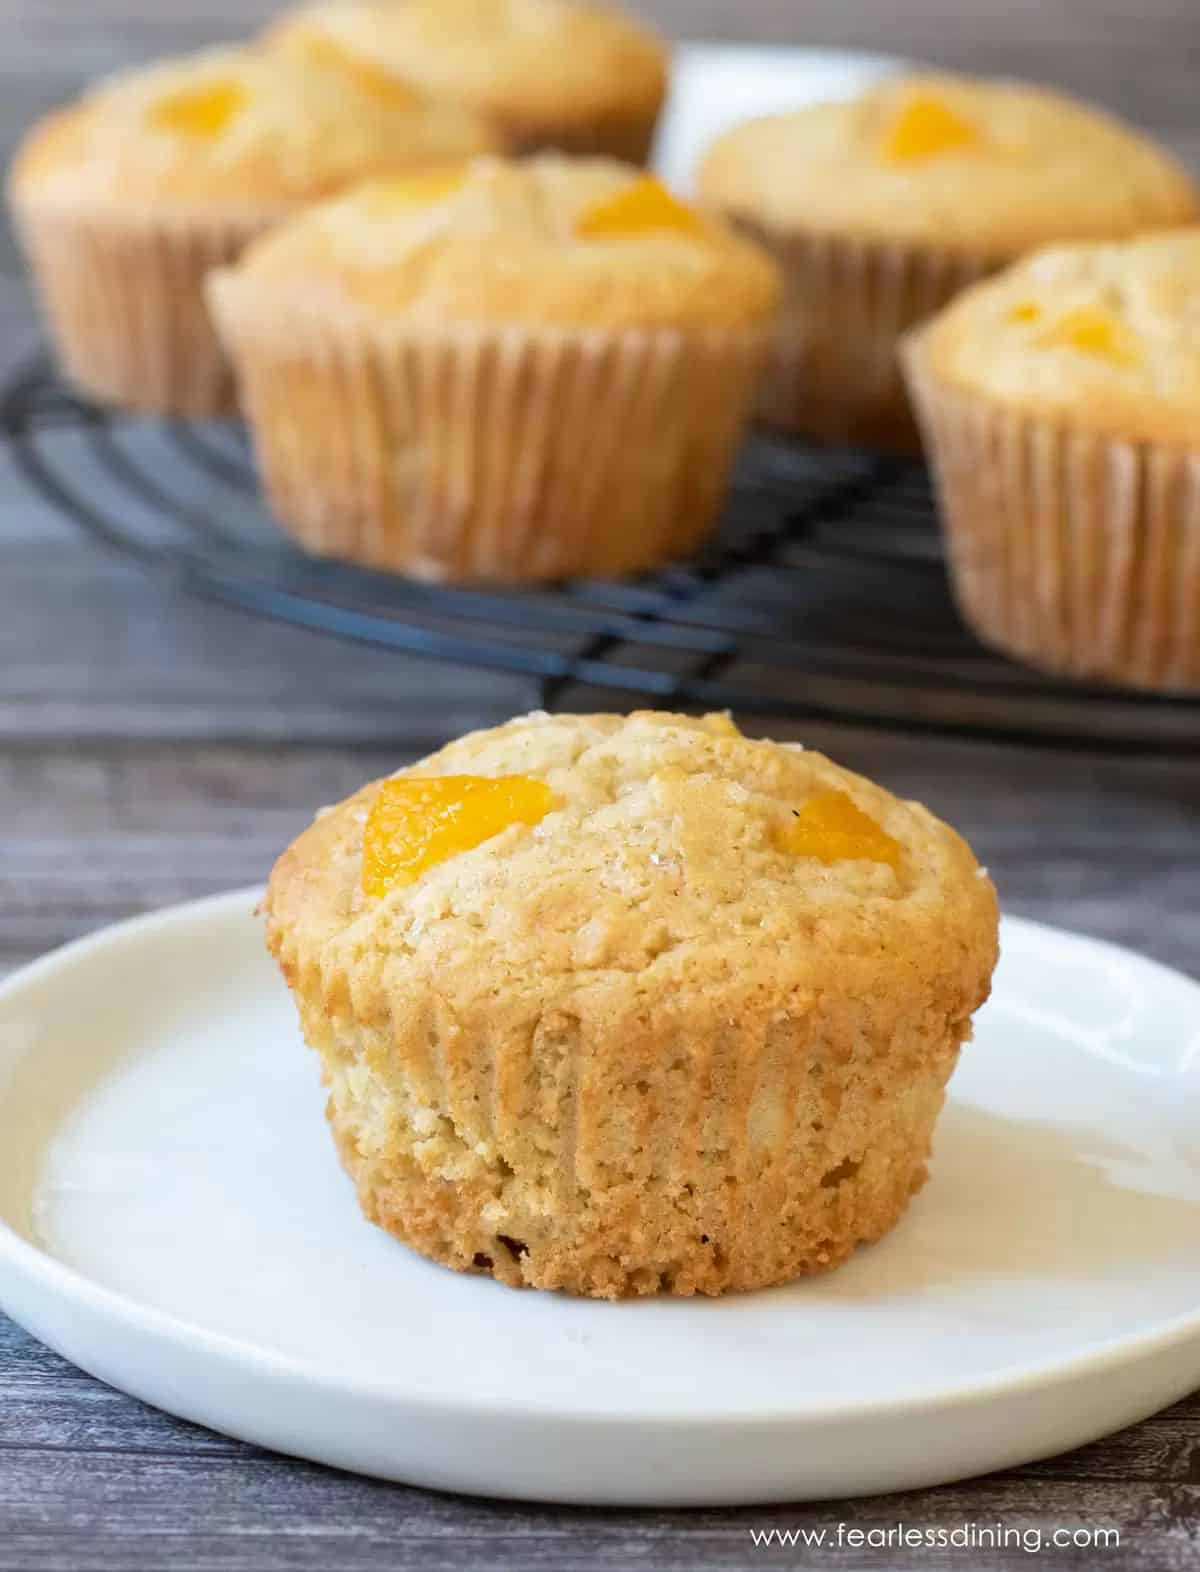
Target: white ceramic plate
{"points": [[714, 86], [174, 1221]]}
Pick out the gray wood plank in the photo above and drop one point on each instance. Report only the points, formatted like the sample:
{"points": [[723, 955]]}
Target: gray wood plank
{"points": [[138, 1510]]}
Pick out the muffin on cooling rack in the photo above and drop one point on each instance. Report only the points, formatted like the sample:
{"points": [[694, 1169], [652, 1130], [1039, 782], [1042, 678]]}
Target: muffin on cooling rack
{"points": [[633, 1005], [880, 209], [1061, 409], [509, 371], [545, 73], [126, 199]]}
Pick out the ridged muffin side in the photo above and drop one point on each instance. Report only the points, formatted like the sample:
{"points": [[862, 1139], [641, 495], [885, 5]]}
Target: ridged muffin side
{"points": [[638, 1048]]}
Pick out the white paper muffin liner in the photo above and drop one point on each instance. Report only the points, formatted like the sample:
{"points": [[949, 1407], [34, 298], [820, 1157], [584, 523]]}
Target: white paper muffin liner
{"points": [[1074, 551], [834, 373], [123, 296], [501, 454]]}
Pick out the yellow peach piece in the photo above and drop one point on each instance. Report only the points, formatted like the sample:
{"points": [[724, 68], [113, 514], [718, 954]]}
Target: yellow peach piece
{"points": [[201, 112], [417, 822], [832, 828], [1093, 331], [644, 207], [925, 128]]}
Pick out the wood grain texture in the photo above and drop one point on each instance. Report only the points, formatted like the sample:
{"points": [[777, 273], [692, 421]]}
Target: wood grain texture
{"points": [[152, 749]]}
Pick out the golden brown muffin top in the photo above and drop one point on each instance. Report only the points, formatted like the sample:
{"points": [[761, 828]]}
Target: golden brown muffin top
{"points": [[987, 167], [551, 241], [535, 59], [238, 127], [668, 854], [1103, 337]]}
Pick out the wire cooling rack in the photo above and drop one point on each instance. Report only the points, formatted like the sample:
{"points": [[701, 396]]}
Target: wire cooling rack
{"points": [[822, 596]]}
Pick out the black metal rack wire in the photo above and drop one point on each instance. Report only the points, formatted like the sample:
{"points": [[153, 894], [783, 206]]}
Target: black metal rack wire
{"points": [[822, 596]]}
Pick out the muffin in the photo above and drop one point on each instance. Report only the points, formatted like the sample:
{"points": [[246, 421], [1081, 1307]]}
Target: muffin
{"points": [[882, 208], [632, 1005], [585, 79], [510, 371], [126, 199], [1061, 408]]}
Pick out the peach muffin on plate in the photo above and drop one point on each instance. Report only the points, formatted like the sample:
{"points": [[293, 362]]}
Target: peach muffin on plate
{"points": [[545, 73], [881, 208], [509, 371], [127, 198], [632, 1005]]}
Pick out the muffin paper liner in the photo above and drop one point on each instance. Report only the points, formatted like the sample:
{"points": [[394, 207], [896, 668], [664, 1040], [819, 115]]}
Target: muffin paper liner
{"points": [[124, 300], [1074, 551], [730, 1151], [834, 373], [505, 453]]}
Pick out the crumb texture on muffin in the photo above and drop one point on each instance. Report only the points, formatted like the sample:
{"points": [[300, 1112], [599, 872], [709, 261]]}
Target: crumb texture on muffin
{"points": [[987, 167], [1105, 337], [236, 126], [640, 1044], [541, 63], [548, 240]]}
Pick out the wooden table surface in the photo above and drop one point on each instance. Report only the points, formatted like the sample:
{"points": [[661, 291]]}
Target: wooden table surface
{"points": [[155, 749]]}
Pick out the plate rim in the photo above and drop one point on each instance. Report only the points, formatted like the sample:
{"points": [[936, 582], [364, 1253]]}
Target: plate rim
{"points": [[45, 1272]]}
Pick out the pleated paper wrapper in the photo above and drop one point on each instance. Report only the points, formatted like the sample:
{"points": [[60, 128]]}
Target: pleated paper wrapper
{"points": [[1069, 549], [123, 296], [481, 453]]}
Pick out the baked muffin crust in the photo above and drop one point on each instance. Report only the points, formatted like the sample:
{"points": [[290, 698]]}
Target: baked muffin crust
{"points": [[517, 242], [640, 1044], [987, 167], [538, 64], [235, 127], [1105, 337]]}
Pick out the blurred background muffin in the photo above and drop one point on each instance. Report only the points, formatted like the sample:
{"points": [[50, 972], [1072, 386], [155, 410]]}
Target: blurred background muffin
{"points": [[127, 198], [1061, 408], [545, 73], [521, 370], [881, 208]]}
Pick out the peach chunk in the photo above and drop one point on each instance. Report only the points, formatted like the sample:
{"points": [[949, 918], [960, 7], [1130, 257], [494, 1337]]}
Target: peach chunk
{"points": [[201, 112], [833, 828], [644, 207], [1093, 331], [417, 822], [925, 128]]}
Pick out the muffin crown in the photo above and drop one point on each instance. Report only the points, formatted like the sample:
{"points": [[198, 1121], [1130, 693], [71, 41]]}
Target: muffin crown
{"points": [[532, 58], [1106, 337], [585, 242], [668, 860], [988, 167], [237, 125]]}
